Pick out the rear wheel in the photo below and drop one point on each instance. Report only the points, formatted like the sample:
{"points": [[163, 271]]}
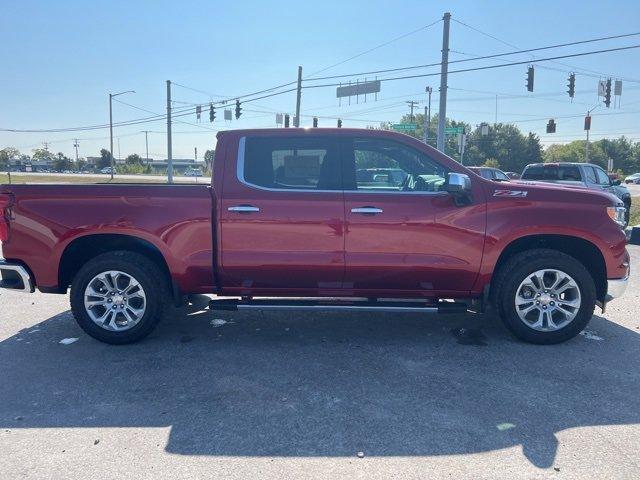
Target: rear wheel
{"points": [[544, 296], [118, 297]]}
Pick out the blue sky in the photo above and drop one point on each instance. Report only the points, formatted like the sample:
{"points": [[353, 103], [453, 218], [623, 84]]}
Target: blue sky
{"points": [[61, 59]]}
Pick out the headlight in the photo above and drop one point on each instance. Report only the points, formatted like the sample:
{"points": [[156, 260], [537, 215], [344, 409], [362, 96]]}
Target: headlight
{"points": [[617, 214]]}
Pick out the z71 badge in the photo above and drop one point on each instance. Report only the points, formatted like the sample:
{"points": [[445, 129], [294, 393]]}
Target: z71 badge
{"points": [[510, 193]]}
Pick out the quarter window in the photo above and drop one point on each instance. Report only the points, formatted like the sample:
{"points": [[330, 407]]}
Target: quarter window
{"points": [[307, 163], [388, 166]]}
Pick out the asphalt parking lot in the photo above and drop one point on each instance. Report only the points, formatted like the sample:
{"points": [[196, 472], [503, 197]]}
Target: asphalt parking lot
{"points": [[285, 395]]}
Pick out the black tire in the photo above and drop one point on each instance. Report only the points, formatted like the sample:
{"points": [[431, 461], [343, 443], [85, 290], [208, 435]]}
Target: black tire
{"points": [[147, 273], [516, 269]]}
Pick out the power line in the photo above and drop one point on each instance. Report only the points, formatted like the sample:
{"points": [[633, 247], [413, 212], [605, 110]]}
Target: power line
{"points": [[488, 67], [532, 56], [374, 48], [483, 57]]}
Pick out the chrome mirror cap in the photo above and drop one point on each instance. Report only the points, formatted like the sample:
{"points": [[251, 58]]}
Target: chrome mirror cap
{"points": [[458, 183]]}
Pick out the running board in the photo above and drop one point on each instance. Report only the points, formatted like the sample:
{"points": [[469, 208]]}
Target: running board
{"points": [[338, 304]]}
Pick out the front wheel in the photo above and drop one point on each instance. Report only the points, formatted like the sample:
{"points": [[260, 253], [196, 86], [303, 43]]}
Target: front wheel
{"points": [[544, 296], [118, 297]]}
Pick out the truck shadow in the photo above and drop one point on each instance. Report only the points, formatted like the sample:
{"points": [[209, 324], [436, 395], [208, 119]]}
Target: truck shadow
{"points": [[324, 384]]}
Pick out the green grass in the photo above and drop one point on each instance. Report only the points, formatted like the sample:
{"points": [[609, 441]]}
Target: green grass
{"points": [[634, 219]]}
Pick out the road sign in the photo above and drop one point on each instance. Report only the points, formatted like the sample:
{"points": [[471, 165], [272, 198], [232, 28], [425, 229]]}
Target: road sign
{"points": [[358, 89], [453, 130], [404, 127]]}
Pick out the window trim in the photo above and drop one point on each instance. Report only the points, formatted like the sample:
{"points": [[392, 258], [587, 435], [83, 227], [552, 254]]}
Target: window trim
{"points": [[343, 160], [240, 175]]}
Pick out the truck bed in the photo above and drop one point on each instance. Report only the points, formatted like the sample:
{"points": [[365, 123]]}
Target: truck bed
{"points": [[53, 225]]}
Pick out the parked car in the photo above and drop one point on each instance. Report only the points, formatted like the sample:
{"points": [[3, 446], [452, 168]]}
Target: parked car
{"points": [[635, 179], [512, 175], [586, 175], [108, 170], [285, 216], [490, 173], [193, 172]]}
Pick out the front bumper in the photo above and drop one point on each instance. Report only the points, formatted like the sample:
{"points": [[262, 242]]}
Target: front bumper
{"points": [[14, 276], [616, 288]]}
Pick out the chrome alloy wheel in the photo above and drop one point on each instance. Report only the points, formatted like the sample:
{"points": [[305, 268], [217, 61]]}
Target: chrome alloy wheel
{"points": [[547, 300], [115, 301]]}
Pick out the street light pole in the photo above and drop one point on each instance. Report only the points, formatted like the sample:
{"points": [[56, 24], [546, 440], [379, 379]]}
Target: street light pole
{"points": [[111, 95]]}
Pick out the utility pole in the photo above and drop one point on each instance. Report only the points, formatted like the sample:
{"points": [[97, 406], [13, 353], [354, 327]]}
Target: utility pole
{"points": [[76, 145], [412, 103], [111, 95], [146, 144], [444, 70], [495, 121], [111, 133], [298, 98], [586, 149], [169, 154], [427, 117]]}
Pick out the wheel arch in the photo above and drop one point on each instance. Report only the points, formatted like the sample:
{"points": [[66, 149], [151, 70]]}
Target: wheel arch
{"points": [[82, 249], [582, 250]]}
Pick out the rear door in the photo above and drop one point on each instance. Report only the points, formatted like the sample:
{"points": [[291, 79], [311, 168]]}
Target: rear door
{"points": [[282, 216], [405, 236]]}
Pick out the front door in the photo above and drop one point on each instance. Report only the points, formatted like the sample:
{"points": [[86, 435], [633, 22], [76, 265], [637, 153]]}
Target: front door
{"points": [[404, 235], [282, 217]]}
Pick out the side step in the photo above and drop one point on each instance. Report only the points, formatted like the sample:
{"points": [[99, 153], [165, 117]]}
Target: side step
{"points": [[328, 304]]}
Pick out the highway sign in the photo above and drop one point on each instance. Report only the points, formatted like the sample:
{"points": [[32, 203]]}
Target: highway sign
{"points": [[358, 89], [453, 130]]}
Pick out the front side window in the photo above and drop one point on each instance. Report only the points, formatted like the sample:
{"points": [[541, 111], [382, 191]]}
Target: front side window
{"points": [[387, 166], [292, 163], [603, 178], [500, 175], [590, 174]]}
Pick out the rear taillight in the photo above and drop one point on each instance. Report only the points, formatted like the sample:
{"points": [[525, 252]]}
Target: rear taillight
{"points": [[5, 204]]}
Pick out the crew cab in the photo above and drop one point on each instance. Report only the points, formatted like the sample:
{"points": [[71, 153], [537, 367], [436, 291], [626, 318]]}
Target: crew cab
{"points": [[321, 219]]}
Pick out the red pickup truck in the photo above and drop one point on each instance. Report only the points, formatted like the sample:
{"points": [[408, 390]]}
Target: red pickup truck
{"points": [[324, 219]]}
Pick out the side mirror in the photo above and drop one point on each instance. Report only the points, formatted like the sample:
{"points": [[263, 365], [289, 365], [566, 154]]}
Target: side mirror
{"points": [[458, 183], [459, 187], [616, 182]]}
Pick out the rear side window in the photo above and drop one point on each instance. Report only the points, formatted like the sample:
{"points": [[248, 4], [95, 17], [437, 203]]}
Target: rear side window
{"points": [[533, 173], [291, 163], [552, 173]]}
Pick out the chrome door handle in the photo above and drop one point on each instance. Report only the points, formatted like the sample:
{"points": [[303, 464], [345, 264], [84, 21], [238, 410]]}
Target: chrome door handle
{"points": [[366, 210], [244, 209]]}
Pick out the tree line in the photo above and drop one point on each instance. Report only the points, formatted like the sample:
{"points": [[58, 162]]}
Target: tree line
{"points": [[508, 148]]}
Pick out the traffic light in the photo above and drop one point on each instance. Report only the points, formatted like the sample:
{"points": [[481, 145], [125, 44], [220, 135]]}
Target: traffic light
{"points": [[572, 85], [238, 109], [315, 122], [339, 123], [607, 93], [212, 112], [198, 111], [286, 120], [587, 122], [551, 126], [530, 78]]}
